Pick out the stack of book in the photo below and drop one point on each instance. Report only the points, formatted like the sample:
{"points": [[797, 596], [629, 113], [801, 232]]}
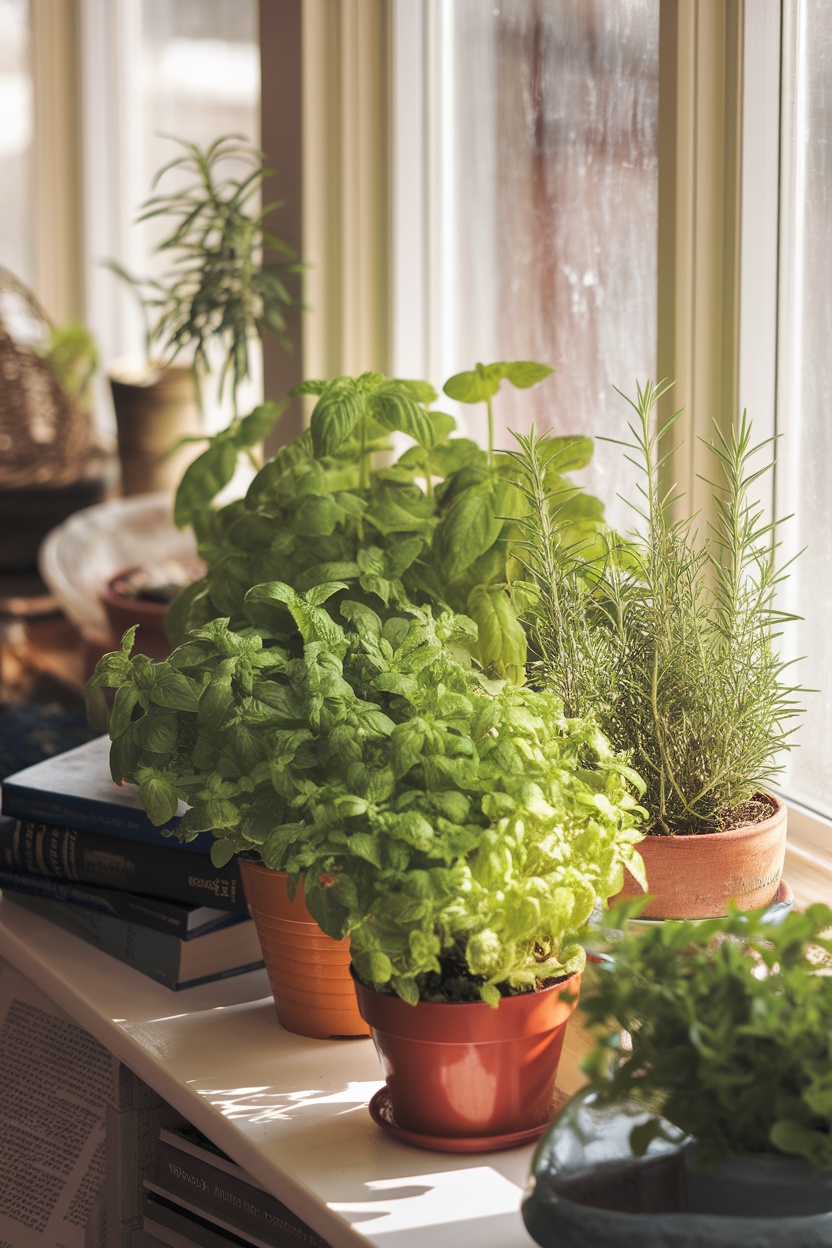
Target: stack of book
{"points": [[199, 1196], [79, 850]]}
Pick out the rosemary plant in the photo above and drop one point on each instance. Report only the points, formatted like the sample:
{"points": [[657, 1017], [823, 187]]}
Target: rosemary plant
{"points": [[220, 288], [670, 643]]}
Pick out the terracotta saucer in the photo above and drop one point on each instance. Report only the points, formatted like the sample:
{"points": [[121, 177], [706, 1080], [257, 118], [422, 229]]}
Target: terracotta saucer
{"points": [[381, 1112]]}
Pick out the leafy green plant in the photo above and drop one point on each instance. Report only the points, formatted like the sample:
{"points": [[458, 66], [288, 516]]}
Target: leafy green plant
{"points": [[730, 1031], [226, 285], [72, 354], [480, 385], [461, 833], [480, 507], [321, 505], [671, 644]]}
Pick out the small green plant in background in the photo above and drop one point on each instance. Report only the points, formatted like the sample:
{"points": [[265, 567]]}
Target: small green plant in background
{"points": [[671, 643], [225, 286], [72, 354], [730, 1031]]}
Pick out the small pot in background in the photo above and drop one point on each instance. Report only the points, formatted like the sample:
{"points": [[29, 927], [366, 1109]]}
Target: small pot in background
{"points": [[154, 408], [142, 595]]}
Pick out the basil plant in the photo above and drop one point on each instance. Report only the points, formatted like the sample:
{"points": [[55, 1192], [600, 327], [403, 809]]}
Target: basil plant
{"points": [[460, 831]]}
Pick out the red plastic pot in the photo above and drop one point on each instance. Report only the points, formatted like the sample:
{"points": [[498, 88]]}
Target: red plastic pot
{"points": [[462, 1072], [697, 877], [309, 972]]}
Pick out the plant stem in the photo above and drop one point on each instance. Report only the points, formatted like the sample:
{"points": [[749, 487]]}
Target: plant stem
{"points": [[490, 430]]}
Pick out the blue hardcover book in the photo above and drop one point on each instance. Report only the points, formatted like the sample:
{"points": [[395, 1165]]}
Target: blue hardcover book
{"points": [[114, 862], [75, 790], [168, 959], [177, 918]]}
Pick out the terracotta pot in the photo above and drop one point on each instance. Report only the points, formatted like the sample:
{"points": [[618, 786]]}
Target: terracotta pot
{"points": [[309, 972], [123, 607], [154, 408], [469, 1070], [696, 877]]}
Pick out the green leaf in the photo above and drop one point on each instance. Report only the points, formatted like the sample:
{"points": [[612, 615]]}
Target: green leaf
{"points": [[525, 373], [254, 427], [122, 713], [172, 689], [222, 851], [157, 733], [203, 479], [395, 410], [362, 845], [475, 386], [502, 639], [335, 415], [374, 967], [158, 796], [309, 387], [469, 528]]}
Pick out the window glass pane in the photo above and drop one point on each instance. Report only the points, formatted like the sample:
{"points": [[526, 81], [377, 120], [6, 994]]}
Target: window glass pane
{"points": [[199, 78], [805, 449], [549, 214], [16, 237], [192, 72]]}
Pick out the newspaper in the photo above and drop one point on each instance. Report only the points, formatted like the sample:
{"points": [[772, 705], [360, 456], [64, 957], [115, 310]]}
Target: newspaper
{"points": [[56, 1081]]}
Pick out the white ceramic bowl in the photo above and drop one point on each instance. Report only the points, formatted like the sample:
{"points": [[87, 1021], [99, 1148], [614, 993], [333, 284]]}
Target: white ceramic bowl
{"points": [[78, 557]]}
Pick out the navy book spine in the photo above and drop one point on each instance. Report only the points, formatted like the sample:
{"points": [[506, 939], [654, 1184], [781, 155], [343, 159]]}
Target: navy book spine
{"points": [[114, 862]]}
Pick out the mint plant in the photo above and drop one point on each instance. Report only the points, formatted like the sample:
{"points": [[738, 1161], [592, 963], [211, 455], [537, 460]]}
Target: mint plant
{"points": [[460, 832], [729, 1023]]}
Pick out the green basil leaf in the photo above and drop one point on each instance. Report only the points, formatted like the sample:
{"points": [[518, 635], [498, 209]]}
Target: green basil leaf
{"points": [[203, 479], [397, 411], [475, 386], [335, 415], [254, 427], [565, 454], [172, 689], [525, 373], [469, 528], [122, 713], [157, 733], [158, 796], [309, 387]]}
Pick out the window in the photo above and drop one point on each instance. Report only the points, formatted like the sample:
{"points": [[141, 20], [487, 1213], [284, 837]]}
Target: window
{"points": [[155, 70], [805, 383], [539, 240], [16, 109], [543, 151]]}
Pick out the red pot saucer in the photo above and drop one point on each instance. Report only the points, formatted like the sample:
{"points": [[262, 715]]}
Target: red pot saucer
{"points": [[381, 1112]]}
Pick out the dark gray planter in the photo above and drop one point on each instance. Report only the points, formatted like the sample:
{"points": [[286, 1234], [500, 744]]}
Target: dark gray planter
{"points": [[586, 1190]]}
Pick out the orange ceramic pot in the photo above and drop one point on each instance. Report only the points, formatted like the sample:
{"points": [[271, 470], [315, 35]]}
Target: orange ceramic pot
{"points": [[309, 972], [467, 1071], [697, 877]]}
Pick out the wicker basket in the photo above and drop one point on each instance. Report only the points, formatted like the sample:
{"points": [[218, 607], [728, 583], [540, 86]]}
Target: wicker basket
{"points": [[46, 438]]}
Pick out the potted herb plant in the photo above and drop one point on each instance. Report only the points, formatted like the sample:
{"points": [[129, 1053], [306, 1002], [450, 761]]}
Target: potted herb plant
{"points": [[335, 531], [459, 833], [671, 645], [225, 286], [439, 520], [727, 1060]]}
